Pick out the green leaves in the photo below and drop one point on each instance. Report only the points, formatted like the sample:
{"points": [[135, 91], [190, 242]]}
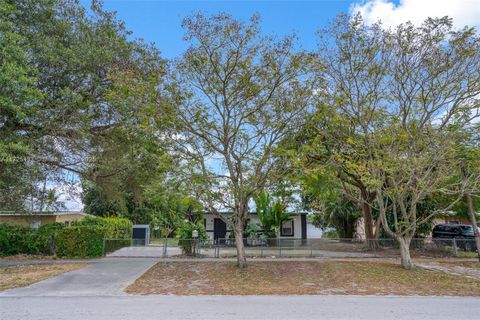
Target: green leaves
{"points": [[271, 213], [77, 95]]}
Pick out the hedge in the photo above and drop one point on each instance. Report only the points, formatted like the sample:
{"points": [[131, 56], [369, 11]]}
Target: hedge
{"points": [[24, 240], [82, 240], [86, 238], [113, 228]]}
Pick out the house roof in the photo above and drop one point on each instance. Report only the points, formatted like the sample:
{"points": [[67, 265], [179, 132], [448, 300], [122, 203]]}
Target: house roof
{"points": [[41, 213]]}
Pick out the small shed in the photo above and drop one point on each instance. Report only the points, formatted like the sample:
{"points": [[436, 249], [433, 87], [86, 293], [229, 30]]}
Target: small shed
{"points": [[141, 234]]}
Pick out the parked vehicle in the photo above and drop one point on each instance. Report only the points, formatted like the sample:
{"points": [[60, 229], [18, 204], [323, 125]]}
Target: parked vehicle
{"points": [[462, 233]]}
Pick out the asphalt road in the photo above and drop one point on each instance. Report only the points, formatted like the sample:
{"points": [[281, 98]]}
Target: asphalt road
{"points": [[235, 307]]}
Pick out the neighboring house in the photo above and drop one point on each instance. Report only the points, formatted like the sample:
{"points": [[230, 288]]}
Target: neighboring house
{"points": [[37, 219], [450, 219], [297, 227], [360, 227]]}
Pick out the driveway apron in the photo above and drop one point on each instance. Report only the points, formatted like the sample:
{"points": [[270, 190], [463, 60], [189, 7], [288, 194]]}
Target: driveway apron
{"points": [[107, 277]]}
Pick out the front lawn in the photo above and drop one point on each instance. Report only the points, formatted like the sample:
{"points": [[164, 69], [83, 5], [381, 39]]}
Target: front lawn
{"points": [[22, 276], [356, 277], [472, 264]]}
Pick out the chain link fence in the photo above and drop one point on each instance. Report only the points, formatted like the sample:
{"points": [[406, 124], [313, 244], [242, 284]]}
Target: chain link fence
{"points": [[282, 247]]}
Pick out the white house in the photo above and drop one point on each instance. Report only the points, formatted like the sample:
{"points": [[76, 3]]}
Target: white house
{"points": [[297, 227]]}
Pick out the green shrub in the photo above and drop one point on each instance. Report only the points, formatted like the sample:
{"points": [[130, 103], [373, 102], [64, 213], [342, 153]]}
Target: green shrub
{"points": [[331, 234], [85, 238], [80, 242], [14, 239], [43, 240], [24, 240], [113, 227], [184, 234]]}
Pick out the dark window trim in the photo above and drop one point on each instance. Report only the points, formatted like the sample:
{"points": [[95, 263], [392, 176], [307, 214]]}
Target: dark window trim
{"points": [[293, 229], [303, 221]]}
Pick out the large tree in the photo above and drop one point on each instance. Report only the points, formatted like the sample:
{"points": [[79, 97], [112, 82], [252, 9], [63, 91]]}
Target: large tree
{"points": [[432, 93], [84, 92], [333, 143], [17, 96], [407, 93], [468, 172], [244, 94]]}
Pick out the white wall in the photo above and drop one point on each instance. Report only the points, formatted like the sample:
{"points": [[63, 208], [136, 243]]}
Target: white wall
{"points": [[313, 232]]}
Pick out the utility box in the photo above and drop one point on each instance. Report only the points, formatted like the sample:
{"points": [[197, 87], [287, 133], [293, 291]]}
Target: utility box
{"points": [[140, 234]]}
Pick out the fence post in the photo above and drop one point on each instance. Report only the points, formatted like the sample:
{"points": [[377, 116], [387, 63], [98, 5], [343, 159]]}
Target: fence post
{"points": [[455, 249], [165, 244], [103, 248], [280, 247]]}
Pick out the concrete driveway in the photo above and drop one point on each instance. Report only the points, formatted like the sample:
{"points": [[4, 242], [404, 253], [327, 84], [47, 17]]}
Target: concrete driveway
{"points": [[147, 251], [105, 277], [235, 307]]}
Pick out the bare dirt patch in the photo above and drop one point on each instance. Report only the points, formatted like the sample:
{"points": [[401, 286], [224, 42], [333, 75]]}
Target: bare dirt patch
{"points": [[26, 257], [21, 276], [473, 264], [299, 278], [469, 269]]}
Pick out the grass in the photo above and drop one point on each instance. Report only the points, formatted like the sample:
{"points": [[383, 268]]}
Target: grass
{"points": [[358, 277], [22, 276], [463, 254]]}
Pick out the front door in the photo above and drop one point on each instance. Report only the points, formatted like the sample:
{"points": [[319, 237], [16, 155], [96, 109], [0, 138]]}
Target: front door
{"points": [[219, 229]]}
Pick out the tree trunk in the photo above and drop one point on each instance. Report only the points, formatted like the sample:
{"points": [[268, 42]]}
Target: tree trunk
{"points": [[473, 221], [238, 230], [367, 218], [378, 226], [406, 262]]}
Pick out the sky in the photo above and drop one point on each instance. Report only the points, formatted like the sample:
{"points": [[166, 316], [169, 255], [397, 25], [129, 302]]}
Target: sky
{"points": [[159, 21]]}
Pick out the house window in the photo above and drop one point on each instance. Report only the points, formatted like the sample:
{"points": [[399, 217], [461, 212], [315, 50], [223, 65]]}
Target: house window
{"points": [[287, 228], [35, 224]]}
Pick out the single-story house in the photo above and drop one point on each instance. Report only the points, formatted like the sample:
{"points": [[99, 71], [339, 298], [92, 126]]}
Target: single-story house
{"points": [[298, 227], [451, 219], [360, 226], [37, 219]]}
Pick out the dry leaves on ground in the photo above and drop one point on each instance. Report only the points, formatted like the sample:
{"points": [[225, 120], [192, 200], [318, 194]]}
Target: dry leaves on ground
{"points": [[358, 277], [21, 276]]}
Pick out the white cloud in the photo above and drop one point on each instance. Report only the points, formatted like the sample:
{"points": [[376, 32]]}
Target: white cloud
{"points": [[463, 12]]}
